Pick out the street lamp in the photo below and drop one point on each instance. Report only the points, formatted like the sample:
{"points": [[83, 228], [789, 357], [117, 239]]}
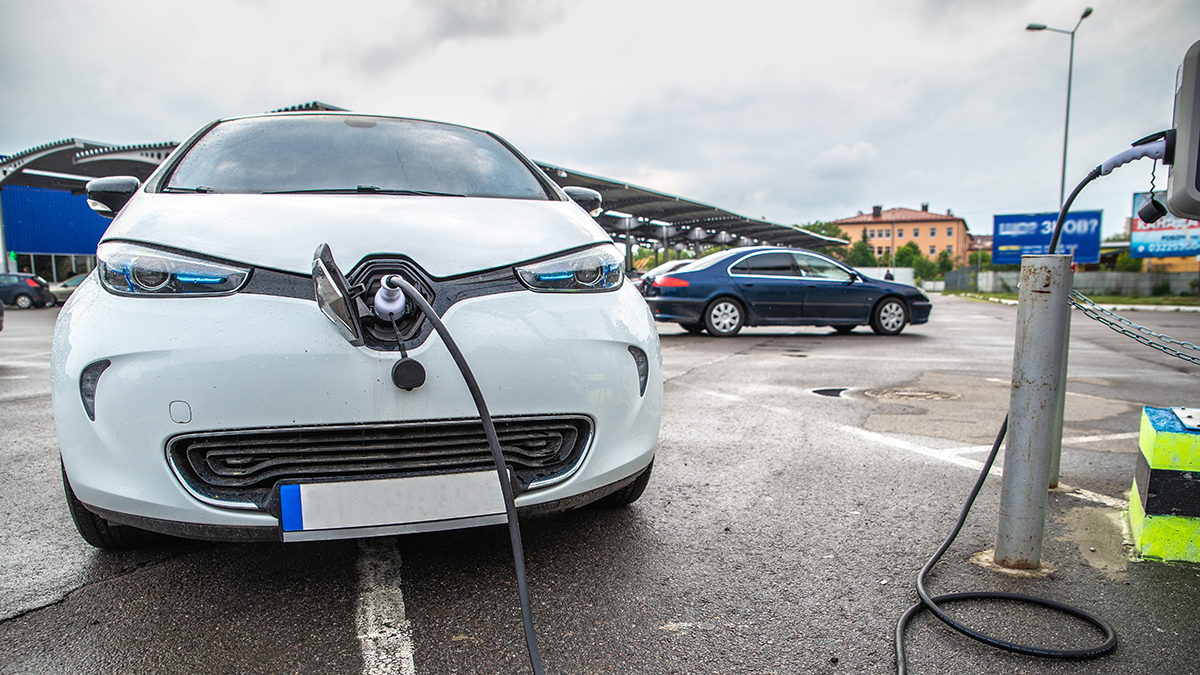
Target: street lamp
{"points": [[1062, 185]]}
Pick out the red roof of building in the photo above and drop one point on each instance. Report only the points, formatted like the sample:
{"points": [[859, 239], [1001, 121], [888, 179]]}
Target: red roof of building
{"points": [[897, 215]]}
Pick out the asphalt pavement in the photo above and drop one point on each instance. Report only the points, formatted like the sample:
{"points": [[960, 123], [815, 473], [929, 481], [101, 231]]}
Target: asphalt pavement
{"points": [[802, 479]]}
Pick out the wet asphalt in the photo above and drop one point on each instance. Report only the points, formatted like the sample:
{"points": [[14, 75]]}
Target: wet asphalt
{"points": [[781, 532]]}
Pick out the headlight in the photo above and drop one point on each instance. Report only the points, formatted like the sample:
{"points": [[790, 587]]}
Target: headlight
{"points": [[596, 269], [131, 269]]}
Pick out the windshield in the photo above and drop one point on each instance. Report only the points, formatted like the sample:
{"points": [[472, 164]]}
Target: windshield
{"points": [[334, 153]]}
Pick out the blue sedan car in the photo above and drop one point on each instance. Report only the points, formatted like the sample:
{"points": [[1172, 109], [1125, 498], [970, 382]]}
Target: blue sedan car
{"points": [[768, 286]]}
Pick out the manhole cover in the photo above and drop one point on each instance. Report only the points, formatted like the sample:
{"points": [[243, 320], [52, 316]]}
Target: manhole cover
{"points": [[911, 394]]}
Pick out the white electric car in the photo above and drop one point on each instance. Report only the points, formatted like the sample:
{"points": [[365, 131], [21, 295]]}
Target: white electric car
{"points": [[225, 374]]}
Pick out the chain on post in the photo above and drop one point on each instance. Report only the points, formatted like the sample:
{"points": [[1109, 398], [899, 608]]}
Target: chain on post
{"points": [[1130, 329]]}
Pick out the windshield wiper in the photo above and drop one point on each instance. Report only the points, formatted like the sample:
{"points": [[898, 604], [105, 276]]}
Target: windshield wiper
{"points": [[364, 190], [198, 188]]}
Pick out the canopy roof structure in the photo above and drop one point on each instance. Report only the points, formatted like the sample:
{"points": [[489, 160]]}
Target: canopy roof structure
{"points": [[631, 214], [647, 215], [70, 163]]}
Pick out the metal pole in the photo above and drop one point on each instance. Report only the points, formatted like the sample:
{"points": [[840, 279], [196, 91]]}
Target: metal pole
{"points": [[1042, 313], [4, 263], [1062, 182], [1061, 407]]}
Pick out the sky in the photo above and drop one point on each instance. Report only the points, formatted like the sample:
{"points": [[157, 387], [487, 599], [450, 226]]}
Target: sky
{"points": [[790, 110]]}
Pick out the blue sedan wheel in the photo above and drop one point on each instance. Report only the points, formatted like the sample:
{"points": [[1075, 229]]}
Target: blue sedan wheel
{"points": [[723, 317], [889, 317]]}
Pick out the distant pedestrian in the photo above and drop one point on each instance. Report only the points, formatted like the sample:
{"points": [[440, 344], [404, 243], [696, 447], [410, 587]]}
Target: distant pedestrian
{"points": [[887, 276]]}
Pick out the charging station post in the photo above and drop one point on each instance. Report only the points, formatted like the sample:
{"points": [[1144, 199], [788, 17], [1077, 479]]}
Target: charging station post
{"points": [[1043, 311]]}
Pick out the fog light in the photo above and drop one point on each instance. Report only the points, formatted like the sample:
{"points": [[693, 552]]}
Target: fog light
{"points": [[87, 386], [643, 368]]}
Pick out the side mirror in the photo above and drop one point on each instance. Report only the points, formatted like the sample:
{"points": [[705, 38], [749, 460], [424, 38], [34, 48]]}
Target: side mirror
{"points": [[107, 196], [588, 199]]}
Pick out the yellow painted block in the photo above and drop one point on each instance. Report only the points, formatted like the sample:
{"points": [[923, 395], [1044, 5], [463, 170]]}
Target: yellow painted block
{"points": [[1137, 515], [1168, 538], [1166, 443]]}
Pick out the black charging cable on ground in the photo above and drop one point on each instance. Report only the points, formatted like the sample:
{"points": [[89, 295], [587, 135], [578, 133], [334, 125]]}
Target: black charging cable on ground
{"points": [[514, 529], [1151, 146], [931, 603]]}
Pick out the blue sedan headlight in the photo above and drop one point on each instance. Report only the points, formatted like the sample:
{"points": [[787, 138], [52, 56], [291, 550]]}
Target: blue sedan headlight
{"points": [[132, 269], [595, 269]]}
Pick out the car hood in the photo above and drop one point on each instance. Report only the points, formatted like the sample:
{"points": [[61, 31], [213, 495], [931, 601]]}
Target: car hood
{"points": [[446, 236], [895, 287]]}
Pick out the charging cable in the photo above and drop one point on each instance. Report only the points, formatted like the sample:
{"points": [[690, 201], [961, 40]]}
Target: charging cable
{"points": [[1156, 146], [396, 285]]}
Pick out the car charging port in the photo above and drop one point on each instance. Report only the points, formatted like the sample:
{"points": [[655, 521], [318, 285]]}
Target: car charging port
{"points": [[388, 304]]}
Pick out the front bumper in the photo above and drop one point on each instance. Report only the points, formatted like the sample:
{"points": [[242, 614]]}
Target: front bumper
{"points": [[918, 311], [197, 365], [677, 310]]}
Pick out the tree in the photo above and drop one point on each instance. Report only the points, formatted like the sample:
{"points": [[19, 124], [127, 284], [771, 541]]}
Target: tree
{"points": [[924, 268], [861, 253], [1127, 264], [829, 230], [907, 254], [981, 259], [944, 262]]}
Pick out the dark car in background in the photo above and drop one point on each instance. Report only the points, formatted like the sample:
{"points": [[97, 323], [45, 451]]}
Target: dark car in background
{"points": [[656, 272], [25, 290], [63, 289], [768, 286]]}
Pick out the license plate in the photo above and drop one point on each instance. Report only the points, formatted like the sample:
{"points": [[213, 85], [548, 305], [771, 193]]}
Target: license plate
{"points": [[314, 511]]}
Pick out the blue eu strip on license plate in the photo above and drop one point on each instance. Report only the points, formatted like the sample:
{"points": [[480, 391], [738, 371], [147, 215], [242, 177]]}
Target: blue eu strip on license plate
{"points": [[314, 511]]}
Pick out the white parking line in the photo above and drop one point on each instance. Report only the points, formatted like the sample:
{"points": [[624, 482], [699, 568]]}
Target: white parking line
{"points": [[384, 634], [950, 456], [953, 456], [1103, 437]]}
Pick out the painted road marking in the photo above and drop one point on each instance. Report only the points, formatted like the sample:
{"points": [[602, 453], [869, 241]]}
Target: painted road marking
{"points": [[384, 633], [951, 456], [954, 455]]}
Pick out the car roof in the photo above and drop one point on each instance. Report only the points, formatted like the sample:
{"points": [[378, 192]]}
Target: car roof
{"points": [[346, 113]]}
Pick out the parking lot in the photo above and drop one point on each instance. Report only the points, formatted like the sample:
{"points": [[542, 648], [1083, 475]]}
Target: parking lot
{"points": [[802, 478]]}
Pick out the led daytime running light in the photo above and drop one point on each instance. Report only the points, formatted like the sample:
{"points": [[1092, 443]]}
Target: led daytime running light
{"points": [[594, 270], [136, 270]]}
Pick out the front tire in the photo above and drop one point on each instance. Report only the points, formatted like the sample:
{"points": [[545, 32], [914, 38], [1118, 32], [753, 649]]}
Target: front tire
{"points": [[105, 534], [889, 317], [724, 317]]}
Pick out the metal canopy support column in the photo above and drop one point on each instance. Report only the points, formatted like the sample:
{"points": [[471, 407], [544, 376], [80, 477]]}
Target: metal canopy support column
{"points": [[6, 263]]}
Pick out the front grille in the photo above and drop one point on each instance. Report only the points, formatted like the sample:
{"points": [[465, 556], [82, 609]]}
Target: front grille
{"points": [[243, 467]]}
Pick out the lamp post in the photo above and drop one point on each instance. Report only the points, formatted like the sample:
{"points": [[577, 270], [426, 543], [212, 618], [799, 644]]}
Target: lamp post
{"points": [[1062, 185]]}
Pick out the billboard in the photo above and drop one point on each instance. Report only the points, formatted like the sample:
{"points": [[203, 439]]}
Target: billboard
{"points": [[1029, 234], [1169, 236]]}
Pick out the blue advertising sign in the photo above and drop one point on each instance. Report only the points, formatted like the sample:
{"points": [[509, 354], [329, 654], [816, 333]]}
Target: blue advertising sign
{"points": [[1029, 234], [1166, 237]]}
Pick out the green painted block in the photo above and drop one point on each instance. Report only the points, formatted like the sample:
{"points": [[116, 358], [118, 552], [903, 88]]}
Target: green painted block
{"points": [[1167, 538], [1166, 443]]}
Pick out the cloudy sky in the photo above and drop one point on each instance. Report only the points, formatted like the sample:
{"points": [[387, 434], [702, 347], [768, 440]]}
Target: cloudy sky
{"points": [[790, 110]]}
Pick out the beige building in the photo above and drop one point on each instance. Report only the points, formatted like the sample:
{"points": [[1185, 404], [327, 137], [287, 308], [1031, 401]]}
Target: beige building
{"points": [[888, 230]]}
